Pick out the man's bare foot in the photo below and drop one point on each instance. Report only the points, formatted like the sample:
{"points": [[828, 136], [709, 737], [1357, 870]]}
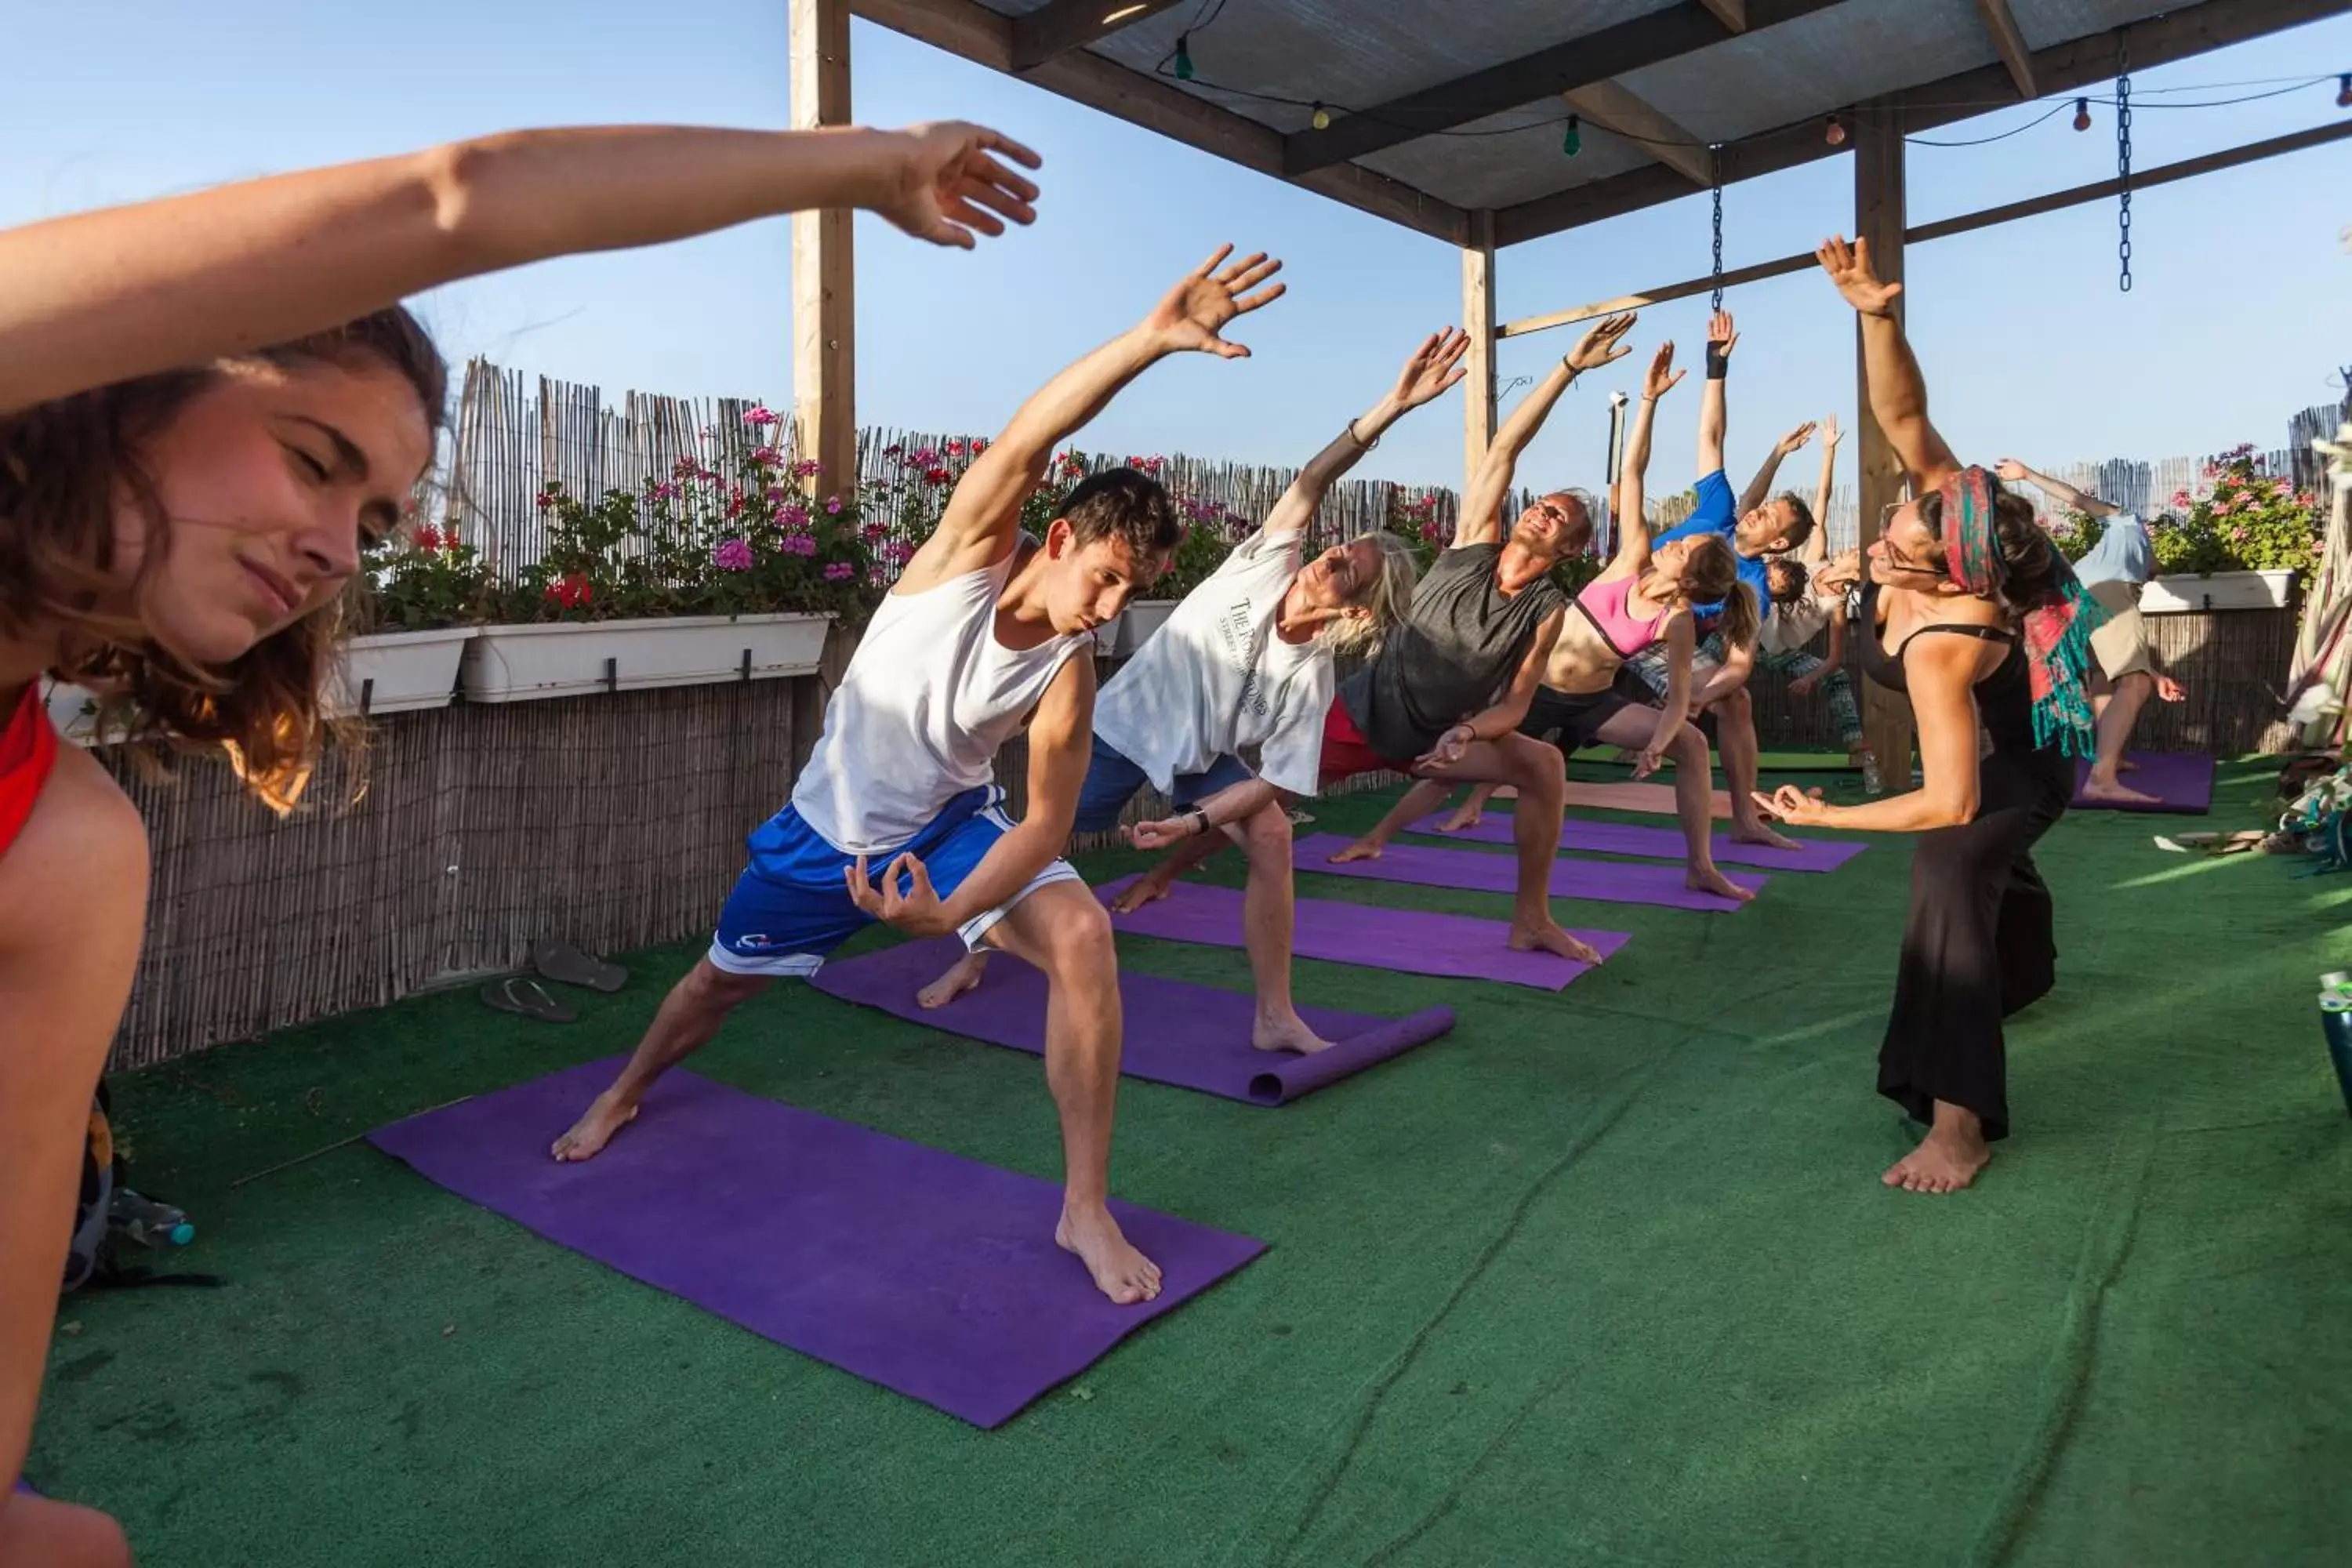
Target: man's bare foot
{"points": [[1464, 815], [1120, 1272], [607, 1115], [1549, 938], [1707, 879], [1758, 833], [961, 976], [1145, 889], [2097, 788], [1946, 1159], [1362, 849], [1287, 1032]]}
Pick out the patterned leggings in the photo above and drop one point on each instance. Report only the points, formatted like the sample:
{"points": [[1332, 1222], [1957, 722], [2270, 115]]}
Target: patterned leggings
{"points": [[1796, 664]]}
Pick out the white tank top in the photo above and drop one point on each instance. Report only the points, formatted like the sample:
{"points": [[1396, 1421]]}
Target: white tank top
{"points": [[928, 697]]}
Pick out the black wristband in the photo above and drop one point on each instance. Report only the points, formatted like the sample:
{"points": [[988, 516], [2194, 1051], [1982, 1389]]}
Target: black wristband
{"points": [[1718, 362], [1200, 813]]}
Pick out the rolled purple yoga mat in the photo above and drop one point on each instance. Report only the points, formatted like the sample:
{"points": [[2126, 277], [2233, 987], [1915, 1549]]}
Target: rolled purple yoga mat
{"points": [[1410, 941], [1195, 1037], [1658, 843], [2182, 782], [1610, 881], [930, 1274]]}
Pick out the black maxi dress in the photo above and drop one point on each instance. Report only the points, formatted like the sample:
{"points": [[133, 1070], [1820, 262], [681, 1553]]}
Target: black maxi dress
{"points": [[1980, 941]]}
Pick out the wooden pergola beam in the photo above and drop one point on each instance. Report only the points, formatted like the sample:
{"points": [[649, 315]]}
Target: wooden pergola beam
{"points": [[1616, 108], [2174, 36], [1879, 197], [824, 270], [1615, 51], [1943, 228], [981, 35], [1732, 13], [1478, 322], [2009, 43], [1060, 26]]}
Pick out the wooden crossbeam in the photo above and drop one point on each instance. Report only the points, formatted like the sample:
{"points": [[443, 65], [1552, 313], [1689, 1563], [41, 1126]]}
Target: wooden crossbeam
{"points": [[1612, 107], [1944, 228], [2009, 43], [1732, 13], [1628, 47], [1060, 26], [2174, 35]]}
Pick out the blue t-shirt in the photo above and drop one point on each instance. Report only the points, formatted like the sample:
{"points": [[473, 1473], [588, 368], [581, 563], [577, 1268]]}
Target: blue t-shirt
{"points": [[1717, 512]]}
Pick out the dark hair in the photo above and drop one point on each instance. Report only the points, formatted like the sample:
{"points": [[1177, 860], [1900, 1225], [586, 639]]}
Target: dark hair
{"points": [[1788, 579], [1711, 573], [63, 465], [2030, 562], [1801, 519], [1122, 503]]}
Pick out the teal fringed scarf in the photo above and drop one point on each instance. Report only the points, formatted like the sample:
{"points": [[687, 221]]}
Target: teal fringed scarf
{"points": [[2057, 630]]}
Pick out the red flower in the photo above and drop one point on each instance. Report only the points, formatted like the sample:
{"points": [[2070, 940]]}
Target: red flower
{"points": [[571, 591], [428, 538], [935, 475]]}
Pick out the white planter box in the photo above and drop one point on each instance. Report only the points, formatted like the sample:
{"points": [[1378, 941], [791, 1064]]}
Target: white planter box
{"points": [[395, 672], [2171, 596], [400, 672], [1142, 617], [516, 664]]}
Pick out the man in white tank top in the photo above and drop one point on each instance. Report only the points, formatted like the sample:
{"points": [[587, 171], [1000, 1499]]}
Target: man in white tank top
{"points": [[1243, 663], [897, 817]]}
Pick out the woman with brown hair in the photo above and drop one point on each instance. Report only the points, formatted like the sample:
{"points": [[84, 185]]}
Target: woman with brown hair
{"points": [[205, 402], [1971, 611]]}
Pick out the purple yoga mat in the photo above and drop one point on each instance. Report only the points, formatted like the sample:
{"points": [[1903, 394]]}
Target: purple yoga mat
{"points": [[1659, 843], [927, 1273], [1412, 941], [1194, 1037], [1610, 881], [2182, 782]]}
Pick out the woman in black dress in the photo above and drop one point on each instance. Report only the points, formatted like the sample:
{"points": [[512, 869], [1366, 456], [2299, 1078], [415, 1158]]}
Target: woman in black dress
{"points": [[1973, 613]]}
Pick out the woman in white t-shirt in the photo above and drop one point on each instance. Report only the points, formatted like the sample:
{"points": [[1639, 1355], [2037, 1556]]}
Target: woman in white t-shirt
{"points": [[1246, 662]]}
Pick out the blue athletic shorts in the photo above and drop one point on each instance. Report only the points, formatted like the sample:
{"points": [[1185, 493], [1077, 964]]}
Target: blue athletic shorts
{"points": [[792, 907], [1112, 781]]}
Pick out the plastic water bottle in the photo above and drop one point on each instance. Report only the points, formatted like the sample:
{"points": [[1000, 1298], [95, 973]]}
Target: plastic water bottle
{"points": [[2336, 1022], [152, 1224]]}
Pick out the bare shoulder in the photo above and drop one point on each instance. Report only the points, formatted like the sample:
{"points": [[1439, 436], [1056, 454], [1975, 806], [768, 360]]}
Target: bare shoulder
{"points": [[80, 859]]}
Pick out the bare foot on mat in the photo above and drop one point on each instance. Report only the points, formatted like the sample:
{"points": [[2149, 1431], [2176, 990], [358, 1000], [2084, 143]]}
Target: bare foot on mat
{"points": [[1549, 938], [1758, 833], [1362, 849], [1711, 880], [594, 1129], [2116, 794], [961, 976], [1141, 891], [1120, 1272], [1286, 1034], [1464, 816]]}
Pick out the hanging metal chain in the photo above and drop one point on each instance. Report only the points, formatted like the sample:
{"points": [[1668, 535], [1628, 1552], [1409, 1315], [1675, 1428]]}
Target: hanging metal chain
{"points": [[1715, 162], [2123, 160]]}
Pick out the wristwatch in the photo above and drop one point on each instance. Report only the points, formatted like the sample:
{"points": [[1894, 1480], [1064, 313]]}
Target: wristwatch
{"points": [[1200, 815]]}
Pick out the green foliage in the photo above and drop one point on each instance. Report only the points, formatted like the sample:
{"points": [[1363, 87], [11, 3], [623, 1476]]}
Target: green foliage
{"points": [[421, 578]]}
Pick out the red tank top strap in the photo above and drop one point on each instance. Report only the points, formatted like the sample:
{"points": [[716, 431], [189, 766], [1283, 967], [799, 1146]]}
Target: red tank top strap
{"points": [[28, 750]]}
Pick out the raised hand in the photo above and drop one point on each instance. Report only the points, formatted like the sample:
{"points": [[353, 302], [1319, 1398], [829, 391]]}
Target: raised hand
{"points": [[1849, 268], [1795, 439], [1195, 312], [1433, 368], [1603, 343], [917, 911], [1720, 333], [1662, 377], [1831, 434], [2012, 471], [949, 184]]}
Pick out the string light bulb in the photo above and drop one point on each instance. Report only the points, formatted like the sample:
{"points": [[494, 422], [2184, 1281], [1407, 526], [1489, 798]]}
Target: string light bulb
{"points": [[1834, 132], [2343, 90], [1572, 142], [1321, 118], [2082, 115], [1185, 57]]}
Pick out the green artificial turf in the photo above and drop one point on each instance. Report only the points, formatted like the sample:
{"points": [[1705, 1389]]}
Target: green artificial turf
{"points": [[1600, 1278]]}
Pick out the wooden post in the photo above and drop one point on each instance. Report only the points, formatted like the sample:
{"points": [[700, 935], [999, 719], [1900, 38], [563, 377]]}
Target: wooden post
{"points": [[1478, 320], [824, 320], [1879, 205]]}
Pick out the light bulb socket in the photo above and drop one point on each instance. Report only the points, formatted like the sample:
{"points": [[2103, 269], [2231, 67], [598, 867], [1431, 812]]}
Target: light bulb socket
{"points": [[1571, 142], [2343, 90], [1185, 57], [2082, 115]]}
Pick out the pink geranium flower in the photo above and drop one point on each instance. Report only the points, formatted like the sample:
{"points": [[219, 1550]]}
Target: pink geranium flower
{"points": [[731, 555], [759, 416]]}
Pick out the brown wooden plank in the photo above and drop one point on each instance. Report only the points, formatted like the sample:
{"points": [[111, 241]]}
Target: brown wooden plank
{"points": [[824, 317], [1478, 320], [1878, 217], [1060, 26], [2009, 43]]}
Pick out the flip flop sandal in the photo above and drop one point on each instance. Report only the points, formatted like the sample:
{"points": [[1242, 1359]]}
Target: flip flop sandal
{"points": [[1298, 817], [519, 994], [559, 961]]}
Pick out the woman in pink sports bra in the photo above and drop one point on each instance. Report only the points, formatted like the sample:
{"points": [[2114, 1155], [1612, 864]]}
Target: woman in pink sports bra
{"points": [[1644, 596], [205, 401]]}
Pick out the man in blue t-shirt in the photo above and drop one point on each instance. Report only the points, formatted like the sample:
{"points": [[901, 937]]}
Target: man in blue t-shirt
{"points": [[1756, 528]]}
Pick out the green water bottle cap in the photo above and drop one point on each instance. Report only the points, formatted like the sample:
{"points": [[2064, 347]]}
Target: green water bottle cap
{"points": [[2332, 1001]]}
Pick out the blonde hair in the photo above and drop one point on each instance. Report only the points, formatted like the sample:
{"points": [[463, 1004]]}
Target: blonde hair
{"points": [[1385, 600]]}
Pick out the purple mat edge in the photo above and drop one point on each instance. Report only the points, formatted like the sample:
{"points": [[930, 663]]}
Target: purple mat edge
{"points": [[1700, 903], [2166, 762], [1754, 857]]}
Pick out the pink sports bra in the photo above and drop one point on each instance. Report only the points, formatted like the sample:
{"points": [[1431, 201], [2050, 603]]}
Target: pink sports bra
{"points": [[1603, 604]]}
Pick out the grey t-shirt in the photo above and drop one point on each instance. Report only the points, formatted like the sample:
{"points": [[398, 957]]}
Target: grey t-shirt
{"points": [[1463, 640]]}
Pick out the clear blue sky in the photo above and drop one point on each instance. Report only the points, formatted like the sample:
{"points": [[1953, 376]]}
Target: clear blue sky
{"points": [[2241, 313]]}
